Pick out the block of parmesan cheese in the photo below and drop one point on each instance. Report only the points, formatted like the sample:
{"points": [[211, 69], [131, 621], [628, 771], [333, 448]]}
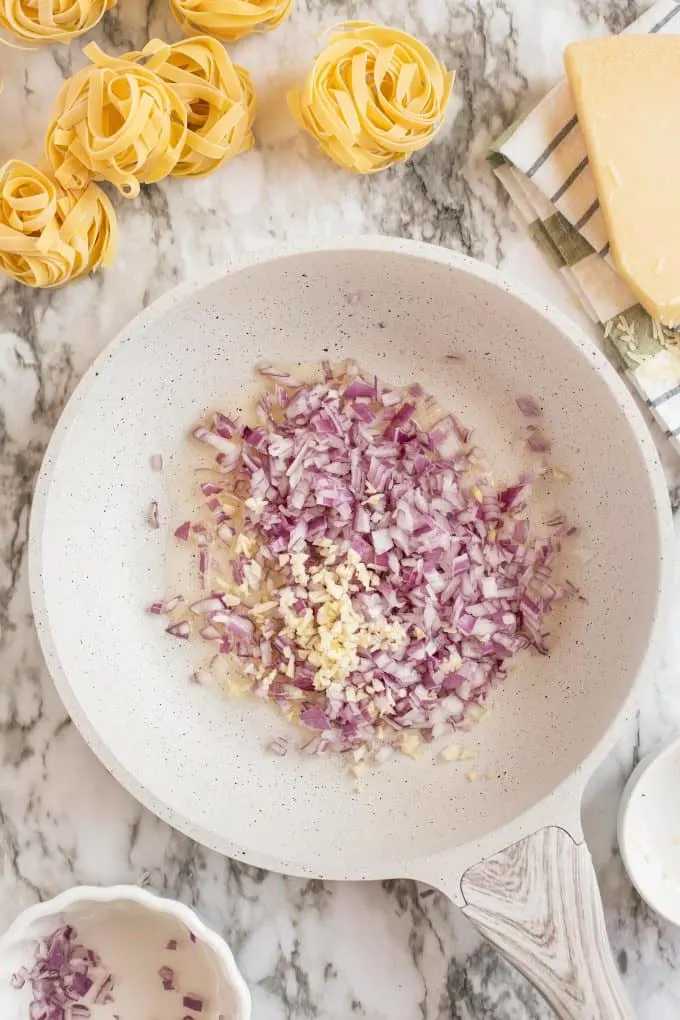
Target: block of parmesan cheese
{"points": [[627, 94]]}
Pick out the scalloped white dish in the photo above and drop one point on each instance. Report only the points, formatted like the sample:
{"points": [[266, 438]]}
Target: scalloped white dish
{"points": [[130, 929]]}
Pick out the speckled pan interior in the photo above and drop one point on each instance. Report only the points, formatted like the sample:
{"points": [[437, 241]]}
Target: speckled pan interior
{"points": [[400, 309]]}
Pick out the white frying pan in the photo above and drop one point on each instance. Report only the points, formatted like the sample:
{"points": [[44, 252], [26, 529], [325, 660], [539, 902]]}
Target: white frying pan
{"points": [[508, 850]]}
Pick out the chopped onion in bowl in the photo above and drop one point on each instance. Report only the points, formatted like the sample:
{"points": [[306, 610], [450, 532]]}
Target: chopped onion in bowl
{"points": [[63, 974], [68, 981], [361, 569]]}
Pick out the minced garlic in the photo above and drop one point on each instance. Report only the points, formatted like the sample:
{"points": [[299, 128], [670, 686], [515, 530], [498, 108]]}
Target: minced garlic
{"points": [[330, 632], [245, 546], [410, 745]]}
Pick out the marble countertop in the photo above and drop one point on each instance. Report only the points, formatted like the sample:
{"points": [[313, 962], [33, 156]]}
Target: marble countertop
{"points": [[307, 949]]}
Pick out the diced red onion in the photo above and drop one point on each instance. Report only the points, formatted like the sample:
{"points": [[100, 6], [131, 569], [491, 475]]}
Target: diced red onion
{"points": [[537, 441], [224, 446], [275, 373], [224, 426], [167, 976], [162, 608], [347, 464], [193, 1002], [211, 488], [180, 630], [105, 993], [279, 746], [208, 605], [359, 388], [211, 633], [64, 972], [153, 515], [19, 978], [382, 540], [529, 407], [315, 718]]}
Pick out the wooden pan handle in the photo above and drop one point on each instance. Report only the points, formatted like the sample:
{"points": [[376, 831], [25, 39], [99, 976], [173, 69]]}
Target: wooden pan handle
{"points": [[538, 902]]}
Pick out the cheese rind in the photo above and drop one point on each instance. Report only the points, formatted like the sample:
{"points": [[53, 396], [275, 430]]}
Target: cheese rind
{"points": [[627, 95]]}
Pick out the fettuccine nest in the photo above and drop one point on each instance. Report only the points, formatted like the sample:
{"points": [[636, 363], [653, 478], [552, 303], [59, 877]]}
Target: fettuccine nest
{"points": [[218, 97], [115, 121], [374, 96], [230, 19], [50, 21], [49, 236], [182, 109]]}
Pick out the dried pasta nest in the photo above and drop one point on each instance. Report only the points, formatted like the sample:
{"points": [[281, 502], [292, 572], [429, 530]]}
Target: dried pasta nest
{"points": [[49, 236], [373, 97], [229, 19], [50, 21], [115, 121], [218, 97]]}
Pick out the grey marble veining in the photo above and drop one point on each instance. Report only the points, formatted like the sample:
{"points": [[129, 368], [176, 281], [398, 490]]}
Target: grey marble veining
{"points": [[377, 951]]}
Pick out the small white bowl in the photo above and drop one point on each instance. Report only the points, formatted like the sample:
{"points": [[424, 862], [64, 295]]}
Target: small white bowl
{"points": [[130, 928], [649, 830]]}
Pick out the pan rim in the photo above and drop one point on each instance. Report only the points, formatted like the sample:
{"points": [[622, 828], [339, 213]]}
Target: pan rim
{"points": [[572, 785]]}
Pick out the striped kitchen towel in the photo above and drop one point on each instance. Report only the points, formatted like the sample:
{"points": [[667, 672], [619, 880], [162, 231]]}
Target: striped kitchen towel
{"points": [[542, 163]]}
